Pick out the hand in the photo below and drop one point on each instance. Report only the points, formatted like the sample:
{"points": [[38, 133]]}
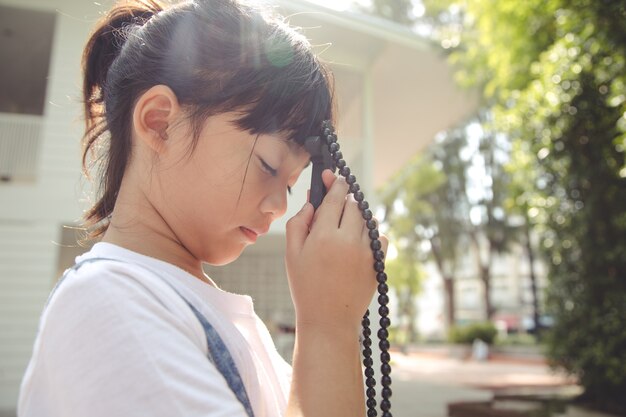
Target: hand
{"points": [[329, 261]]}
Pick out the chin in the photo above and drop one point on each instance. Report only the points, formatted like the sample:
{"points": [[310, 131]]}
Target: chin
{"points": [[223, 257]]}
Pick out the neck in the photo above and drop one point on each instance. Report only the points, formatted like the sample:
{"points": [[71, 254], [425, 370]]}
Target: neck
{"points": [[136, 225]]}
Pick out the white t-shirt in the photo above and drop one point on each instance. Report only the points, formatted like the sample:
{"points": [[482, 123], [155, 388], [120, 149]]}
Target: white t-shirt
{"points": [[116, 340]]}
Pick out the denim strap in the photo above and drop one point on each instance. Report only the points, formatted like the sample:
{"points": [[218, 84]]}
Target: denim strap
{"points": [[218, 354], [223, 361]]}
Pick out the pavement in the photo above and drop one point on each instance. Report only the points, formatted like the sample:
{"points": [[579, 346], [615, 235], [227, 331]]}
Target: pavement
{"points": [[424, 383], [416, 398]]}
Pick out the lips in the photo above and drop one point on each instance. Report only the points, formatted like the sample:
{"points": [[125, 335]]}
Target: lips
{"points": [[258, 230], [253, 233]]}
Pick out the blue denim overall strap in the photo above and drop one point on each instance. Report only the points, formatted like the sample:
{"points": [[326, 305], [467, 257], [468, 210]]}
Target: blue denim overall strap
{"points": [[223, 361], [218, 354]]}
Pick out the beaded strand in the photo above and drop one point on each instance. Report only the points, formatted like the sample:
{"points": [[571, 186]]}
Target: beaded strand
{"points": [[383, 289]]}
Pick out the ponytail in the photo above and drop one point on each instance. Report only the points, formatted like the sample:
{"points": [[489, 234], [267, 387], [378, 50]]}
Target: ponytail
{"points": [[105, 44], [103, 47]]}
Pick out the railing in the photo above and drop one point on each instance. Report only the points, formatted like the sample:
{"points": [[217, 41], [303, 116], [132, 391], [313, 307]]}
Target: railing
{"points": [[20, 138]]}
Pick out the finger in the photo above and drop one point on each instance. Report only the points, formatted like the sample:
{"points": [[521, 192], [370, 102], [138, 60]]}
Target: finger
{"points": [[352, 221], [297, 229], [329, 212]]}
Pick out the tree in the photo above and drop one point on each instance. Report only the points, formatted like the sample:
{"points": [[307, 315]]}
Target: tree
{"points": [[518, 203], [422, 221], [444, 228], [488, 229], [447, 206], [492, 226], [405, 278], [553, 74]]}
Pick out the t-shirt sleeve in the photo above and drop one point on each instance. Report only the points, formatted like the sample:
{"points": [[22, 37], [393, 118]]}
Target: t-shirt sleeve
{"points": [[111, 347]]}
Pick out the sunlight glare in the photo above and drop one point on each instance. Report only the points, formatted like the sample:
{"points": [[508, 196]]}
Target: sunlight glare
{"points": [[392, 252], [342, 5]]}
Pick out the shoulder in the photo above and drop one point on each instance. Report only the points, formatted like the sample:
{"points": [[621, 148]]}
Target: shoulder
{"points": [[111, 281], [115, 335], [106, 296], [97, 283]]}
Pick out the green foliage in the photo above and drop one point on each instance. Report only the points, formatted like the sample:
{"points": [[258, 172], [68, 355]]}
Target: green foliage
{"points": [[485, 331], [405, 277], [428, 224], [411, 189], [591, 339], [517, 339], [553, 74], [413, 186], [404, 273], [493, 51], [452, 194]]}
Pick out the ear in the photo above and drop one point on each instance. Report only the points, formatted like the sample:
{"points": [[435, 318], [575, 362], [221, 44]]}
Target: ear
{"points": [[153, 114]]}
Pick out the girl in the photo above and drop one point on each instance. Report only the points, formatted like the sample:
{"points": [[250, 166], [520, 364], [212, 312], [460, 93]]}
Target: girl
{"points": [[198, 112]]}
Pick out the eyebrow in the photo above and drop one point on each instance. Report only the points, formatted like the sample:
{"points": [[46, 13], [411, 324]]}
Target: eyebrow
{"points": [[293, 146]]}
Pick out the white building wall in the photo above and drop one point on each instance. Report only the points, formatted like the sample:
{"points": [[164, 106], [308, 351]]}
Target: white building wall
{"points": [[27, 266], [31, 214]]}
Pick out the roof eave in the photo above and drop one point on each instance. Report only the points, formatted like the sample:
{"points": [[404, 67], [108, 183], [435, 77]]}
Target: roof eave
{"points": [[366, 24]]}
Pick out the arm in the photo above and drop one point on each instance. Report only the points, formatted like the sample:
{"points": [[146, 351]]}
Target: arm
{"points": [[327, 378], [329, 265]]}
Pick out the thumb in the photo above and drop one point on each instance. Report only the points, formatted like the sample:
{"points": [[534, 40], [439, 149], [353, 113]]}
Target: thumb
{"points": [[298, 229]]}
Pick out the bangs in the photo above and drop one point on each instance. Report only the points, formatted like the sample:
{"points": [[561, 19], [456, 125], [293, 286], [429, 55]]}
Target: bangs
{"points": [[293, 102]]}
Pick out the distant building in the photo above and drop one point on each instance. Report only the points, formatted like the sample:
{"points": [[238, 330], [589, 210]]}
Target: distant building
{"points": [[511, 294], [395, 92]]}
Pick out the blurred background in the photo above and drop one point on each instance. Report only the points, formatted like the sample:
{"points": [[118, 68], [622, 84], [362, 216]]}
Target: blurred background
{"points": [[489, 135]]}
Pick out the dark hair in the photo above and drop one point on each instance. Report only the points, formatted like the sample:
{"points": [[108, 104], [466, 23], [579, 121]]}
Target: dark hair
{"points": [[217, 56]]}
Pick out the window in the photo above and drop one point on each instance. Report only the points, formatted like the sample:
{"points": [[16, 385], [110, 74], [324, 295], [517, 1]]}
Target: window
{"points": [[25, 48]]}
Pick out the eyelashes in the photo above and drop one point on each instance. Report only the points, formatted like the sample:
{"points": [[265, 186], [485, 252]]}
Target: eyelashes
{"points": [[273, 172], [268, 168]]}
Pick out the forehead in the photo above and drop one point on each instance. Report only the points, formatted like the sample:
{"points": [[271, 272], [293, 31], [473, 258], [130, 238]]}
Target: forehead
{"points": [[288, 146]]}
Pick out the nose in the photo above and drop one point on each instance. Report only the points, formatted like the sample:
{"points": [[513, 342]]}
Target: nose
{"points": [[275, 203]]}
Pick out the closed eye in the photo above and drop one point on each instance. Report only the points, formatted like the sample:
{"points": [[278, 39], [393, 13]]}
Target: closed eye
{"points": [[273, 172], [268, 168]]}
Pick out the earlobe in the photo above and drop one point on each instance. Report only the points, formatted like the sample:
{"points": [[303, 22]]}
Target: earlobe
{"points": [[153, 115]]}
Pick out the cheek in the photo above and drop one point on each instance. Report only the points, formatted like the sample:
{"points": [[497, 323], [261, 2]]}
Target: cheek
{"points": [[180, 199], [198, 195], [202, 190]]}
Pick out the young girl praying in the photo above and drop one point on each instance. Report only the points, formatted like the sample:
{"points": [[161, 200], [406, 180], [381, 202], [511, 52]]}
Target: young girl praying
{"points": [[197, 112]]}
